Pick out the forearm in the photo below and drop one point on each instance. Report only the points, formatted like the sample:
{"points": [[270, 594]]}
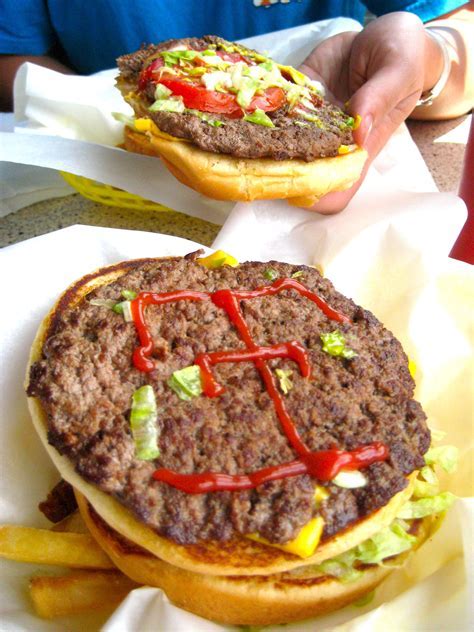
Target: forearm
{"points": [[457, 97], [9, 64]]}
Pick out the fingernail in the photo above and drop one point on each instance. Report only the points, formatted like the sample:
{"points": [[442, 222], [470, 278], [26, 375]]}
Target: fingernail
{"points": [[367, 123]]}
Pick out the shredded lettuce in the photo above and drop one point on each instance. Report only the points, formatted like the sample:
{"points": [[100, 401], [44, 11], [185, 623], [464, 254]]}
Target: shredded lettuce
{"points": [[125, 309], [248, 87], [270, 274], [162, 92], [128, 295], [205, 117], [446, 456], [426, 506], [334, 343], [173, 57], [186, 383], [396, 539], [103, 302], [388, 542], [174, 104], [143, 419], [124, 118], [297, 274], [260, 118], [284, 378]]}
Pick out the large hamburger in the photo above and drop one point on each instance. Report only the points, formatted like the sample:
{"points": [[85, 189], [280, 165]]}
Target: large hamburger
{"points": [[234, 125], [244, 437]]}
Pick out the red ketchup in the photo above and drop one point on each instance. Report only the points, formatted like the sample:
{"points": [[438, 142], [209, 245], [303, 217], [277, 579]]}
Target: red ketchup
{"points": [[323, 464]]}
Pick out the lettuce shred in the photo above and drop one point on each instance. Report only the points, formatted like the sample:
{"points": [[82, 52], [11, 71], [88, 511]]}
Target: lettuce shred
{"points": [[427, 500]]}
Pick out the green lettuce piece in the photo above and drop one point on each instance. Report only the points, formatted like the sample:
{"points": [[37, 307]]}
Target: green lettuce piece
{"points": [[103, 302], [168, 105], [143, 419], [124, 118], [284, 378], [270, 274], [341, 567], [173, 57], [334, 343], [427, 483], [186, 383], [426, 506], [162, 92], [128, 295], [259, 118], [446, 456], [205, 117], [247, 89], [390, 541]]}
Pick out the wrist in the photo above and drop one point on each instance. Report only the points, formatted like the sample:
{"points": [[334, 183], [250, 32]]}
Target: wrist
{"points": [[437, 66]]}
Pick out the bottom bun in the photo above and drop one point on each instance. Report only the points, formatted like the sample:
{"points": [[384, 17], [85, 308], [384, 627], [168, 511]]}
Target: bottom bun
{"points": [[224, 177], [243, 600]]}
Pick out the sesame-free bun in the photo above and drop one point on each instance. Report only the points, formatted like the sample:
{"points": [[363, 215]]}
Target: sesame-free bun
{"points": [[225, 177]]}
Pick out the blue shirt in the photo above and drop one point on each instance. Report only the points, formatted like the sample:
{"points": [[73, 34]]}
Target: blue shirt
{"points": [[94, 33]]}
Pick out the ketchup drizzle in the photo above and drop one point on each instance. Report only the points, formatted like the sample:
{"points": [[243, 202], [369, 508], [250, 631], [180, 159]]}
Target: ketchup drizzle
{"points": [[323, 464]]}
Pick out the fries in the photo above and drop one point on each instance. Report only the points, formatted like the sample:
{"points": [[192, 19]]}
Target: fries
{"points": [[42, 546], [80, 591]]}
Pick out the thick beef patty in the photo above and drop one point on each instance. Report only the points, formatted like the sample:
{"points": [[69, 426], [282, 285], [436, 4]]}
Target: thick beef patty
{"points": [[292, 137], [85, 381]]}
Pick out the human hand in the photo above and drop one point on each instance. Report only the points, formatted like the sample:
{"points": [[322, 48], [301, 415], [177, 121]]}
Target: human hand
{"points": [[381, 72]]}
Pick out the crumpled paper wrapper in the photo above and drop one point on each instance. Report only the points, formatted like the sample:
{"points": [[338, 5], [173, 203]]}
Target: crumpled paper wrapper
{"points": [[391, 258], [65, 122]]}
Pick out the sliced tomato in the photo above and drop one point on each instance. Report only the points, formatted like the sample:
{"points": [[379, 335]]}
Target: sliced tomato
{"points": [[233, 58], [269, 101], [196, 97], [146, 74]]}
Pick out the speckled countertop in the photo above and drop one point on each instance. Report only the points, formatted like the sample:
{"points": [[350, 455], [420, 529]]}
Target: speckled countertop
{"points": [[444, 160]]}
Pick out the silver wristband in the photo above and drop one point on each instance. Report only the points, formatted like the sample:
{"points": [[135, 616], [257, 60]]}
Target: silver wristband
{"points": [[429, 96]]}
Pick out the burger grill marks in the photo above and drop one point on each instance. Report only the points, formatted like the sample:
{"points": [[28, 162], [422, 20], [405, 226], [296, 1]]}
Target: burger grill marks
{"points": [[323, 465], [229, 99], [85, 381]]}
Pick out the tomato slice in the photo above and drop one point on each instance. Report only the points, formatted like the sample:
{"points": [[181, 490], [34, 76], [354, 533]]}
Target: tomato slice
{"points": [[196, 97], [146, 74], [269, 101], [233, 58]]}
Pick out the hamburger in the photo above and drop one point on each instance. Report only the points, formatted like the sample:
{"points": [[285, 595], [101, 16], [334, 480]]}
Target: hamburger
{"points": [[234, 125], [242, 436]]}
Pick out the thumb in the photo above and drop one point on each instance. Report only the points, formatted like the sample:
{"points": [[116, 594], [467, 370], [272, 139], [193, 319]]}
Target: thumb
{"points": [[385, 93]]}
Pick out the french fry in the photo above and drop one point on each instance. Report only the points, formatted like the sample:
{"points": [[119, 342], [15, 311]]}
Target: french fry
{"points": [[80, 591], [71, 524], [42, 546]]}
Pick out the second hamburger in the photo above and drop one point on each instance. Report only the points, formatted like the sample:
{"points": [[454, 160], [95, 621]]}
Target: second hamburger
{"points": [[234, 125]]}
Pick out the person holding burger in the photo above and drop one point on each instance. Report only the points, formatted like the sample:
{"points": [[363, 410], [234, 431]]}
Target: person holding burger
{"points": [[394, 68]]}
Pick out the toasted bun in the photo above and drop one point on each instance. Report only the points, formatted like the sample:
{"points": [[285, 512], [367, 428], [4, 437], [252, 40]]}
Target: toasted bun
{"points": [[245, 600], [239, 556], [226, 177]]}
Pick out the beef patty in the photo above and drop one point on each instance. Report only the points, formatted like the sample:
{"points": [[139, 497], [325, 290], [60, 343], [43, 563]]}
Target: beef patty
{"points": [[291, 137], [85, 380]]}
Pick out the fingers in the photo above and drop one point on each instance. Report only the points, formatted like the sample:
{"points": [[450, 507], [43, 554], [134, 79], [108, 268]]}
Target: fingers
{"points": [[329, 63], [386, 91]]}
